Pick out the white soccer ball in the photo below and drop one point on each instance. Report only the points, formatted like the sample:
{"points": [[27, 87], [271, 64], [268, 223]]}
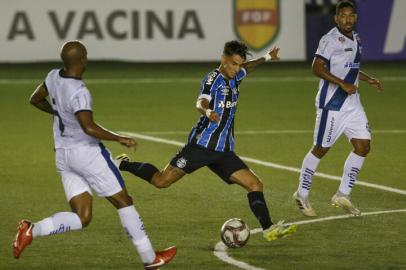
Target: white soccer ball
{"points": [[235, 233]]}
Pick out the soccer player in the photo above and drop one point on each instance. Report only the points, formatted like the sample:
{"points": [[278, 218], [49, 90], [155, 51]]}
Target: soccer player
{"points": [[83, 161], [339, 110], [211, 141]]}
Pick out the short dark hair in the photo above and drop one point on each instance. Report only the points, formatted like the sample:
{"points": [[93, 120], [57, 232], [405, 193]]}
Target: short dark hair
{"points": [[236, 47], [344, 4]]}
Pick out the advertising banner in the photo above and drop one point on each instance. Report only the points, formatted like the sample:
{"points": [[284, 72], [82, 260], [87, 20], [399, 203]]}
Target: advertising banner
{"points": [[149, 30]]}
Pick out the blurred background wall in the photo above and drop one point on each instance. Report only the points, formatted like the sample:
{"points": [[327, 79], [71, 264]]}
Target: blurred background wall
{"points": [[190, 30]]}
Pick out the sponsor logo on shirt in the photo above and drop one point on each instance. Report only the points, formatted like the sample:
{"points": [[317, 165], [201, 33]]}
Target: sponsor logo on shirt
{"points": [[351, 65], [227, 104], [224, 91], [330, 131]]}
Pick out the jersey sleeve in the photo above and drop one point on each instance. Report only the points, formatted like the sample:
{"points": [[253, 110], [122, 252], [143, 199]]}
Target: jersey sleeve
{"points": [[241, 74], [47, 82], [326, 48], [81, 101], [208, 86]]}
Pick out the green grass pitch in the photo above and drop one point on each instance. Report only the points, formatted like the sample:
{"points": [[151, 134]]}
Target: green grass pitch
{"points": [[154, 98]]}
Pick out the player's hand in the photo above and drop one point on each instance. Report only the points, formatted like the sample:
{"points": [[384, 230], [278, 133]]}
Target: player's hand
{"points": [[274, 54], [376, 83], [127, 141], [213, 116], [349, 88]]}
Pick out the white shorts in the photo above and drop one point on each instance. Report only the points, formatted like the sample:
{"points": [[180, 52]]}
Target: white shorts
{"points": [[88, 167], [331, 124]]}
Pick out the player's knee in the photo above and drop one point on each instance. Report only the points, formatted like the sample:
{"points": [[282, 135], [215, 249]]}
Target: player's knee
{"points": [[162, 183], [124, 201], [128, 200], [319, 151], [121, 200], [257, 186], [362, 150]]}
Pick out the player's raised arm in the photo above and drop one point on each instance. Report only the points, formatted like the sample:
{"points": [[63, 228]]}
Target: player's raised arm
{"points": [[272, 55], [202, 105], [93, 129], [39, 99], [319, 68], [371, 80]]}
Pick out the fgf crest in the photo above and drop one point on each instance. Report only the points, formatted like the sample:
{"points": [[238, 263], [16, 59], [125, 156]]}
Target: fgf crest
{"points": [[256, 22]]}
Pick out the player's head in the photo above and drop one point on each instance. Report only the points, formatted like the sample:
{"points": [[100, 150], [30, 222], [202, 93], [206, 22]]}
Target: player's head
{"points": [[234, 55], [74, 55], [346, 16]]}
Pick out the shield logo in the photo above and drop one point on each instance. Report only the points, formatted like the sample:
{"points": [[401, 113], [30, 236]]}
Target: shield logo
{"points": [[256, 22]]}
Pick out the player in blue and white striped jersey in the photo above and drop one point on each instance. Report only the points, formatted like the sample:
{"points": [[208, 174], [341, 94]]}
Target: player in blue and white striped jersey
{"points": [[339, 109], [211, 141]]}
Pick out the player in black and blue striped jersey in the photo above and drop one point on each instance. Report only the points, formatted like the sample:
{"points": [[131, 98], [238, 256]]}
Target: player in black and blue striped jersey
{"points": [[211, 141]]}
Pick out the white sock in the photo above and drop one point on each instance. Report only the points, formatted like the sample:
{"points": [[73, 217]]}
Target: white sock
{"points": [[61, 222], [352, 168], [134, 228], [309, 166]]}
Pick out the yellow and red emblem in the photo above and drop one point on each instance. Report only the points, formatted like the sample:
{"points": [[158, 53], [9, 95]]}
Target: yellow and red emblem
{"points": [[256, 22]]}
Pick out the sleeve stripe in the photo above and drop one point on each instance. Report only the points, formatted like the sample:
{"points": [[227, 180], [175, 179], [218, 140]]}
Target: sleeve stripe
{"points": [[215, 81], [245, 71], [82, 111], [321, 57], [212, 84], [205, 96]]}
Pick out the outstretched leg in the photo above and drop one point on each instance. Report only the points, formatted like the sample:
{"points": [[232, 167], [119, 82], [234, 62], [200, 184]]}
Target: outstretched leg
{"points": [[148, 172], [143, 170]]}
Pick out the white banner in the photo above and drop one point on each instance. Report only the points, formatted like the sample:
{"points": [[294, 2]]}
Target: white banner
{"points": [[149, 30]]}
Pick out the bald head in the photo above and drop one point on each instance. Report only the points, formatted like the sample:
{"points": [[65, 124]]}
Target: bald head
{"points": [[74, 54]]}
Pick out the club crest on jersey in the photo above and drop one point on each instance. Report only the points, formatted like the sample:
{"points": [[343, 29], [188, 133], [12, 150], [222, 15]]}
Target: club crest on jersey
{"points": [[256, 22], [181, 163], [341, 39]]}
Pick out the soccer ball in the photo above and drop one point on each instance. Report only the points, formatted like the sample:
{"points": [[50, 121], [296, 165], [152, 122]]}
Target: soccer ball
{"points": [[235, 233]]}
